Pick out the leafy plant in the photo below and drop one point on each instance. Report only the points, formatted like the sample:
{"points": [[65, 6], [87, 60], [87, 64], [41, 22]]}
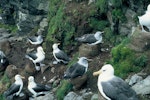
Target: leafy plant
{"points": [[63, 89]]}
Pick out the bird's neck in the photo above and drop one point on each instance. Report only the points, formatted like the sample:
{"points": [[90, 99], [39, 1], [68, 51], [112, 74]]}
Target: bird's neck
{"points": [[83, 64], [56, 50], [18, 82], [104, 77]]}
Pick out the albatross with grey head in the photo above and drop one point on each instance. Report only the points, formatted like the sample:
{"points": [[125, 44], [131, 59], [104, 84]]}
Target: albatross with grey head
{"points": [[112, 87], [77, 69], [35, 40], [91, 39]]}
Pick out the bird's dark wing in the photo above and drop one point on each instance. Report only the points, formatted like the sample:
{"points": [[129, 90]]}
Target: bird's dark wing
{"points": [[33, 39], [13, 89], [61, 55], [32, 55], [87, 38], [41, 87], [74, 71], [117, 89]]}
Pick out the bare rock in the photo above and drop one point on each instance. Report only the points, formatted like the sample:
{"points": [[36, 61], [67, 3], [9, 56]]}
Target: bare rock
{"points": [[11, 71], [139, 41], [89, 51], [73, 96], [79, 81], [142, 87]]}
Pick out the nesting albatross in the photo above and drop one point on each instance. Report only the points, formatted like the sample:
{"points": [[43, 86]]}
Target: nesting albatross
{"points": [[91, 39], [37, 57], [15, 88], [35, 88], [77, 69], [112, 87], [35, 40], [144, 19], [59, 55]]}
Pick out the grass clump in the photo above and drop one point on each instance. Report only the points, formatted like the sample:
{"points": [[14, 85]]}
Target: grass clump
{"points": [[125, 61], [4, 84], [12, 28], [65, 87]]}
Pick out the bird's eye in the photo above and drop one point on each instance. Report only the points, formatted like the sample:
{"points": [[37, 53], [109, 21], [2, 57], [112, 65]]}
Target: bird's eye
{"points": [[104, 70]]}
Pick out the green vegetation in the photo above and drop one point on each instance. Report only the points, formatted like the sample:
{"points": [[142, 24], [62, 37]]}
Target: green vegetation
{"points": [[12, 28], [60, 27], [65, 87], [102, 5], [4, 84], [125, 60]]}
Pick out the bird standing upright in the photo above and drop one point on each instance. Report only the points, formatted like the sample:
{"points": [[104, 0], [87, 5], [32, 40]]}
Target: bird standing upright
{"points": [[59, 55], [15, 89], [37, 57], [35, 88]]}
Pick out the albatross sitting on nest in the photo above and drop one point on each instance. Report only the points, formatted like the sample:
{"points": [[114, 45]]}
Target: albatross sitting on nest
{"points": [[91, 39], [37, 89], [37, 57], [35, 40], [112, 87], [77, 69], [15, 88]]}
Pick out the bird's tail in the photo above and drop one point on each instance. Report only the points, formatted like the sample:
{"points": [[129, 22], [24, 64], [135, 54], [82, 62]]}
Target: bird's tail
{"points": [[48, 88], [79, 39]]}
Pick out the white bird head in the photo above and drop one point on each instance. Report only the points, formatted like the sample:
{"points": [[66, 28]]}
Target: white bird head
{"points": [[106, 70], [148, 8], [98, 34], [18, 77], [40, 49], [83, 61], [30, 79], [55, 46]]}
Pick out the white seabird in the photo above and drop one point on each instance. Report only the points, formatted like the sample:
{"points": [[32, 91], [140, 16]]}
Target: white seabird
{"points": [[3, 61], [35, 88], [144, 19], [59, 55], [77, 69], [35, 40], [91, 39], [112, 87], [37, 57], [15, 88]]}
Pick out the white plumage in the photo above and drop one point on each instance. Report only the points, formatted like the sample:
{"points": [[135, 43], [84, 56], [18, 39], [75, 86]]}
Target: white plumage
{"points": [[37, 57], [60, 55], [112, 87], [144, 20], [35, 88], [16, 88]]}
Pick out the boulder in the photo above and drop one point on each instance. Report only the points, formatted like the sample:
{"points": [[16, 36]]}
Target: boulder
{"points": [[139, 41], [142, 87], [73, 96]]}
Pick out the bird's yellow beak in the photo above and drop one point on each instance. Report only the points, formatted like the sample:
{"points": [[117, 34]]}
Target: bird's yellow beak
{"points": [[58, 43], [97, 73], [22, 77]]}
